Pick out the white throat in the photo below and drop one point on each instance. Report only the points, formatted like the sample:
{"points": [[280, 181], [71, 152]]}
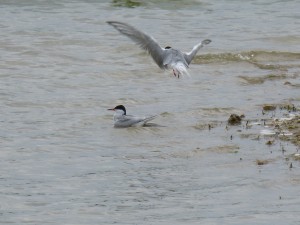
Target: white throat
{"points": [[118, 113]]}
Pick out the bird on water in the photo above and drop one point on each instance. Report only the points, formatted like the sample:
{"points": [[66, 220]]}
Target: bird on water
{"points": [[121, 119]]}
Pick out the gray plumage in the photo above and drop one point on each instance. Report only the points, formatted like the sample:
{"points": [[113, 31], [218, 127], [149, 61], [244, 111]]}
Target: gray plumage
{"points": [[121, 119], [165, 58], [131, 121]]}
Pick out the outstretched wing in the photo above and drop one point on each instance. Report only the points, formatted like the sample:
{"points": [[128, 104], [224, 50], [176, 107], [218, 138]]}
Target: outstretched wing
{"points": [[189, 56], [145, 41]]}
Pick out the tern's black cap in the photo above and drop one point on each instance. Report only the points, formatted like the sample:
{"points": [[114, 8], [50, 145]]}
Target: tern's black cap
{"points": [[121, 107]]}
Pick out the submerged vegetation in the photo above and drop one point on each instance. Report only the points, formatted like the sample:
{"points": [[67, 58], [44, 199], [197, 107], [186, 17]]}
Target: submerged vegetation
{"points": [[292, 125], [286, 128], [261, 59], [126, 3], [269, 107], [261, 162], [235, 119]]}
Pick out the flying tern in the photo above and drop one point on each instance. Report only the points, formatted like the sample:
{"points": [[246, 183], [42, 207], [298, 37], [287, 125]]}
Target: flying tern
{"points": [[165, 58], [121, 119]]}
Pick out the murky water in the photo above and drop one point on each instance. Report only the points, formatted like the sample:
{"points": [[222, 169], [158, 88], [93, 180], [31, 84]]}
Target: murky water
{"points": [[61, 160]]}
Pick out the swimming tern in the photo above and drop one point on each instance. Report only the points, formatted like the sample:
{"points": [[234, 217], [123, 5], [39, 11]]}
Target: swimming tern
{"points": [[121, 119], [165, 58]]}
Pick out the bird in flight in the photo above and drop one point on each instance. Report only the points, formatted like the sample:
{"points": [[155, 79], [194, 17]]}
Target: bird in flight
{"points": [[165, 58]]}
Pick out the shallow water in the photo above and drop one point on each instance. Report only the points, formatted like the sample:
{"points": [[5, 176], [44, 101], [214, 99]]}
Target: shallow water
{"points": [[62, 162]]}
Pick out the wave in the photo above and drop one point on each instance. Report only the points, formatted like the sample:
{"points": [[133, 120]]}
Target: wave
{"points": [[262, 59]]}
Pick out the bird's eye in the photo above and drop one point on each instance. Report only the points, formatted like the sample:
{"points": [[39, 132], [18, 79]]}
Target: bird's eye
{"points": [[168, 47]]}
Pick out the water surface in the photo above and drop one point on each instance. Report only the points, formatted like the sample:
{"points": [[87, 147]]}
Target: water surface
{"points": [[62, 161]]}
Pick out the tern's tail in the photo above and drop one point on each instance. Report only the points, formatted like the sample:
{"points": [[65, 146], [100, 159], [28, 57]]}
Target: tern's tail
{"points": [[179, 69], [149, 118], [144, 121]]}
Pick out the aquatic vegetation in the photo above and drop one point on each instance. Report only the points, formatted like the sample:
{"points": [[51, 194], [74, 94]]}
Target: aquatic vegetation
{"points": [[224, 149], [261, 162], [270, 142], [126, 3], [235, 119], [262, 79], [269, 107], [265, 60], [292, 157], [206, 126], [288, 106], [296, 156], [292, 126]]}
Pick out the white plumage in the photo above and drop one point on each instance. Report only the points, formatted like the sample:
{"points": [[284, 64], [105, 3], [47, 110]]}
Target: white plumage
{"points": [[165, 58]]}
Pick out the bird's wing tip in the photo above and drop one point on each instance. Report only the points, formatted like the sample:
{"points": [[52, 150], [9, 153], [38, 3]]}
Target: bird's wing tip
{"points": [[206, 41]]}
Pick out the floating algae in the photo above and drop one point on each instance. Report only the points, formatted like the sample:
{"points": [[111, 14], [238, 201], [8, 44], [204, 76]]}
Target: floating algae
{"points": [[269, 107], [290, 129], [126, 3], [261, 162], [234, 119]]}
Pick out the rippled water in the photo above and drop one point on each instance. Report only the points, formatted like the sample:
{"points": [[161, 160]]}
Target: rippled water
{"points": [[62, 66]]}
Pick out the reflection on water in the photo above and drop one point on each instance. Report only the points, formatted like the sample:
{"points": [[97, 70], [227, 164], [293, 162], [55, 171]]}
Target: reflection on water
{"points": [[62, 162]]}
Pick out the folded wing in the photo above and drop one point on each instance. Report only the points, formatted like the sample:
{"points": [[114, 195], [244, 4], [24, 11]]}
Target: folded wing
{"points": [[128, 121]]}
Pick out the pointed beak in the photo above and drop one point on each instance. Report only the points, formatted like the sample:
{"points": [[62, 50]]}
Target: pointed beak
{"points": [[111, 109]]}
